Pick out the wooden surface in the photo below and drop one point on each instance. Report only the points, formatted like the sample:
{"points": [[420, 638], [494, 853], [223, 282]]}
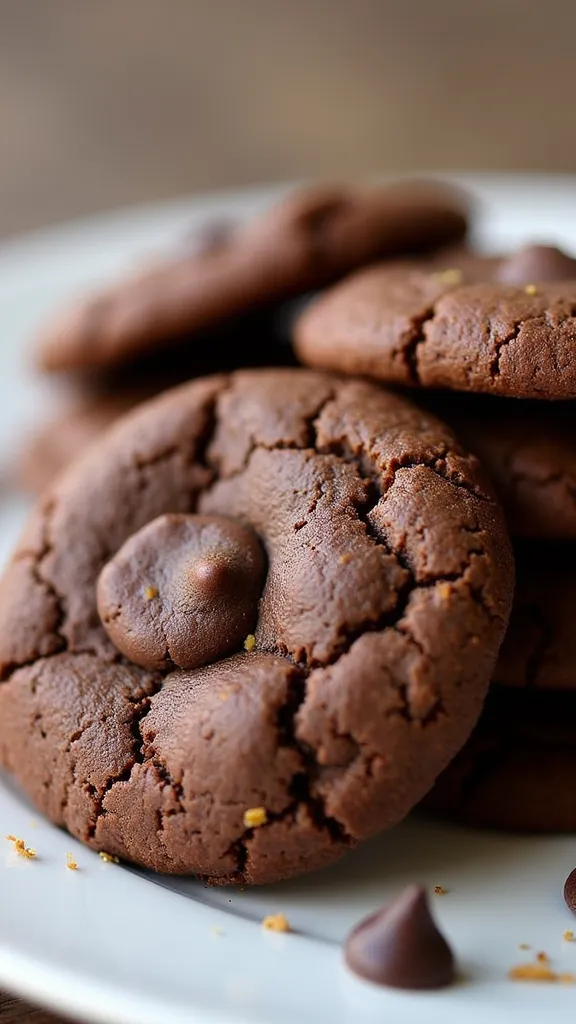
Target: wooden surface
{"points": [[107, 104]]}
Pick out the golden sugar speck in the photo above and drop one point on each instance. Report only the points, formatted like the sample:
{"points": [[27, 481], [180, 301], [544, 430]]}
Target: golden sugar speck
{"points": [[21, 849], [255, 817], [108, 858], [276, 923], [451, 276]]}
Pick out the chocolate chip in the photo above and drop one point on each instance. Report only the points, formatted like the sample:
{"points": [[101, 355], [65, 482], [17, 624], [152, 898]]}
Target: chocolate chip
{"points": [[570, 891], [401, 946], [536, 264], [182, 591]]}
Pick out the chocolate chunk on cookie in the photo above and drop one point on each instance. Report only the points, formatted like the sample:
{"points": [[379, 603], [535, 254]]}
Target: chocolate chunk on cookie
{"points": [[415, 327], [354, 540], [183, 591], [528, 449], [515, 772], [306, 241], [535, 264]]}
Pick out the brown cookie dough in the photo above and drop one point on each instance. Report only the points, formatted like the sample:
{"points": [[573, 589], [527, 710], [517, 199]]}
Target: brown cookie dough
{"points": [[539, 649], [461, 265], [386, 595], [427, 328], [516, 771], [309, 239], [528, 449]]}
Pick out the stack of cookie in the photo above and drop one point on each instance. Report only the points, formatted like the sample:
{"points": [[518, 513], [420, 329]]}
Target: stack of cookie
{"points": [[211, 304], [505, 328], [258, 618]]}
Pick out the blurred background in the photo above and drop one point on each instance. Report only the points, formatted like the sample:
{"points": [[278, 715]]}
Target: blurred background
{"points": [[108, 102]]}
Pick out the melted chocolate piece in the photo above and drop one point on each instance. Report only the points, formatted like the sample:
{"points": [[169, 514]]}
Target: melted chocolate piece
{"points": [[182, 591], [401, 945]]}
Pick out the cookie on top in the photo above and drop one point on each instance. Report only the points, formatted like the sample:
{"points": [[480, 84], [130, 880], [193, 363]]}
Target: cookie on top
{"points": [[463, 328]]}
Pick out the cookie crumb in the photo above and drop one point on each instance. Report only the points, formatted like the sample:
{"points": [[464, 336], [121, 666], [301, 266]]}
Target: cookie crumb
{"points": [[21, 849], [568, 935], [108, 858], [223, 695], [445, 590], [217, 931], [450, 276], [254, 817], [344, 559], [539, 972], [276, 923], [250, 642], [150, 593], [439, 890], [71, 863], [542, 958], [524, 945], [531, 289]]}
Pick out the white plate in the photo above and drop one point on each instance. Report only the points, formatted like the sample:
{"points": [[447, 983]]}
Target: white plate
{"points": [[108, 944]]}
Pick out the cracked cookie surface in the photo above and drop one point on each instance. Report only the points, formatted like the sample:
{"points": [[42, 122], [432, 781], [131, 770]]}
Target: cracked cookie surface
{"points": [[386, 595], [417, 328], [97, 398]]}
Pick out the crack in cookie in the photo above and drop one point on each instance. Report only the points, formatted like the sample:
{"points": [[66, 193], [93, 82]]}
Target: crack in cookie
{"points": [[386, 594], [406, 324]]}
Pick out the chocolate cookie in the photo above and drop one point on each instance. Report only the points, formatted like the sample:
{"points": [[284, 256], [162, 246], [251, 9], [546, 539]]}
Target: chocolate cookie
{"points": [[372, 627], [516, 771], [528, 449], [529, 265], [539, 649], [308, 240], [426, 328]]}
